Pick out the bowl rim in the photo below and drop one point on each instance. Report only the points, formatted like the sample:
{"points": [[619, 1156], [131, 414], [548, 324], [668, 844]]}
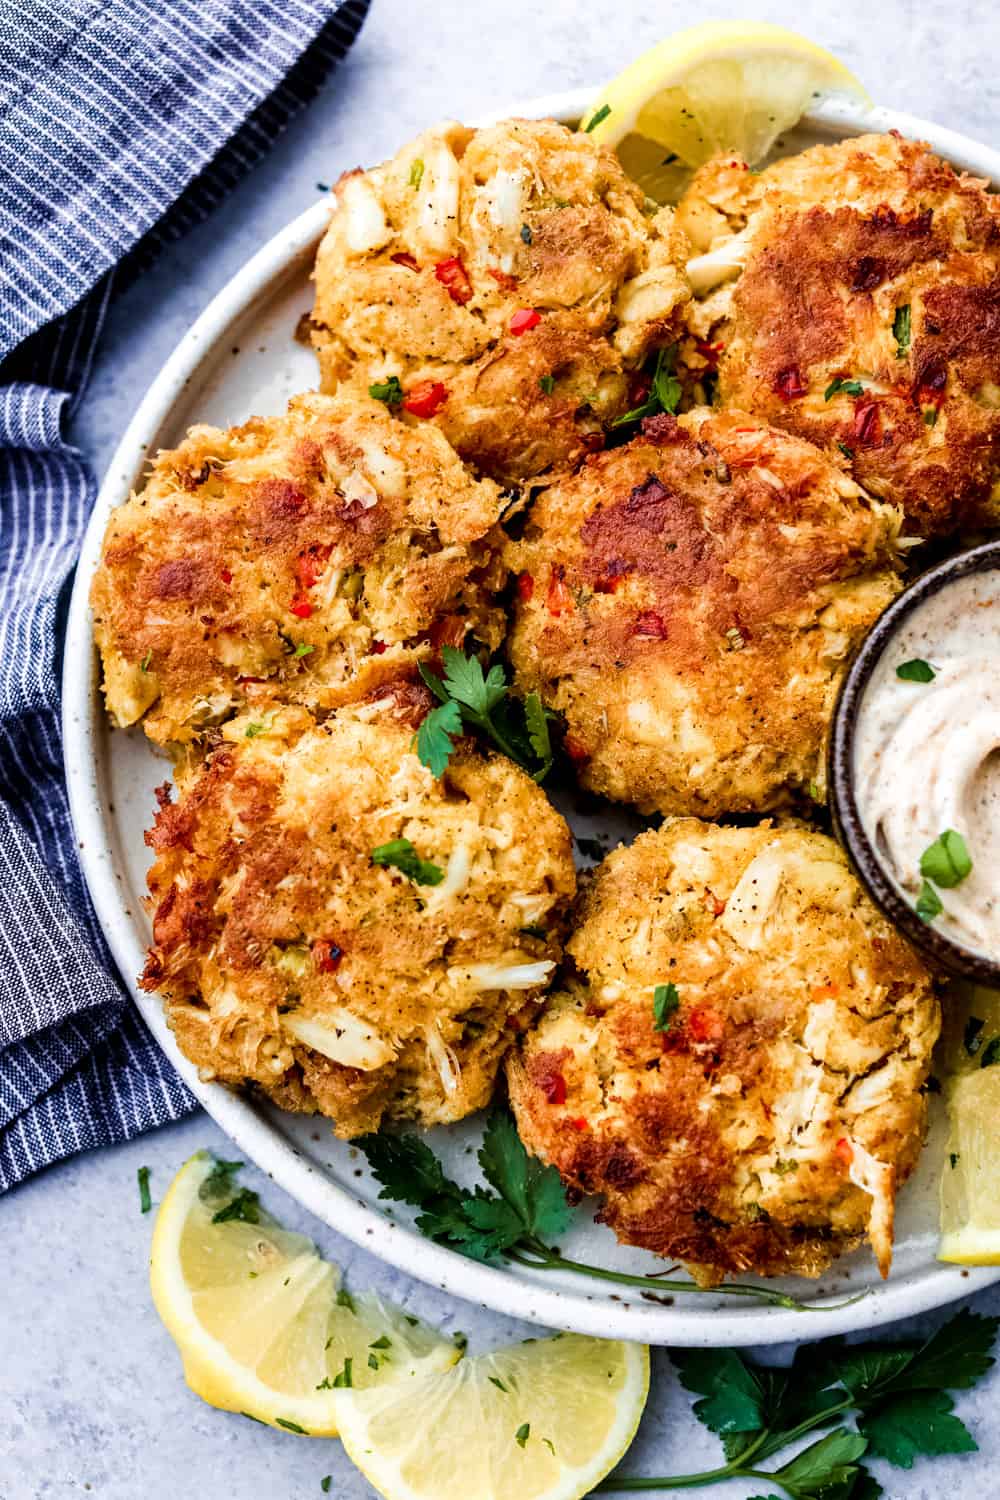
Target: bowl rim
{"points": [[580, 1307], [943, 952]]}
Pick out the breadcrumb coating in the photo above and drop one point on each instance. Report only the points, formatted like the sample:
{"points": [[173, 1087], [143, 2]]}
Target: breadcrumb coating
{"points": [[853, 297], [305, 557], [289, 958], [688, 603], [510, 278], [766, 1124]]}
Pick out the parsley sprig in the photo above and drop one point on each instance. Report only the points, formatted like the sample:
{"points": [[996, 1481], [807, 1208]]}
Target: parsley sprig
{"points": [[665, 391], [526, 1209], [898, 1395], [469, 698]]}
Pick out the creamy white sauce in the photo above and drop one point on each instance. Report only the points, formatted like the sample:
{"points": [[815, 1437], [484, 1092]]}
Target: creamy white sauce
{"points": [[927, 755]]}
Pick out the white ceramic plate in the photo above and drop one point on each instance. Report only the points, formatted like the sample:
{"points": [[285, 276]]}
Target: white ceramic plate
{"points": [[240, 358]]}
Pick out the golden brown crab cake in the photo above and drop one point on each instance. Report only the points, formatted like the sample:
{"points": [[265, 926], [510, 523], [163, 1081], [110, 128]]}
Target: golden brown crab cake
{"points": [[688, 602], [509, 278], [304, 557], [858, 305], [337, 927], [737, 1065]]}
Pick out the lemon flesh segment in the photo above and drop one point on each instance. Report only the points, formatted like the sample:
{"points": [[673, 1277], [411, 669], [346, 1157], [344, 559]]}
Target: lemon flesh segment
{"points": [[257, 1316], [970, 1180], [542, 1420], [720, 86]]}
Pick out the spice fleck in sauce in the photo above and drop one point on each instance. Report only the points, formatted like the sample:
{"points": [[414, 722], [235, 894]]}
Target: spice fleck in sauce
{"points": [[927, 755]]}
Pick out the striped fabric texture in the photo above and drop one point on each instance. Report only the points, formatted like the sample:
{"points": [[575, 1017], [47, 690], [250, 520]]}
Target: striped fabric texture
{"points": [[122, 123]]}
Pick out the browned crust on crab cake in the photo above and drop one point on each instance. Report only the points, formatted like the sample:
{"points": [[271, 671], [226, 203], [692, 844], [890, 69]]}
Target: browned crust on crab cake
{"points": [[688, 602], [289, 960], [839, 240], [768, 1128], [522, 216], [305, 557]]}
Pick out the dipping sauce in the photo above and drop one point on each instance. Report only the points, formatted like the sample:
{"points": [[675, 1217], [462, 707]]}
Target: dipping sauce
{"points": [[927, 758]]}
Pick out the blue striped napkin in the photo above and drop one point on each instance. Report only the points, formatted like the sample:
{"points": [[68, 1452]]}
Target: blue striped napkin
{"points": [[122, 123]]}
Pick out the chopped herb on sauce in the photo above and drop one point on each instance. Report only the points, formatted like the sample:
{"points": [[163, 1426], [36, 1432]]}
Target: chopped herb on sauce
{"points": [[928, 903], [916, 671], [947, 860]]}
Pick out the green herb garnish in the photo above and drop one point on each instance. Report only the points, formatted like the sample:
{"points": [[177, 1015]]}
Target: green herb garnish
{"points": [[145, 1201], [344, 1299], [253, 730], [468, 697], [665, 1002], [839, 386], [916, 671], [385, 1342], [522, 1434], [597, 117], [345, 1380], [845, 450], [416, 172], [325, 1483], [219, 1182], [946, 861], [901, 331], [401, 854], [303, 649], [390, 391], [245, 1207], [665, 391], [547, 383], [291, 1426], [930, 416], [144, 664], [928, 903], [898, 1394], [522, 1210]]}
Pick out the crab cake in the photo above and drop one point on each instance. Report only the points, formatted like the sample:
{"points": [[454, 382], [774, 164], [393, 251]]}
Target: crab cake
{"points": [[336, 926], [687, 603], [304, 557], [864, 314], [509, 278], [737, 1064]]}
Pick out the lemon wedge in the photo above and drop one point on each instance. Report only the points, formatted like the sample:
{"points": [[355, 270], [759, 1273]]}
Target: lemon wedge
{"points": [[970, 1180], [258, 1316], [720, 86], [542, 1420]]}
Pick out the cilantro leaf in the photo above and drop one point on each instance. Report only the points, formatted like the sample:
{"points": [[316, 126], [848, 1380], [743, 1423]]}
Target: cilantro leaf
{"points": [[407, 1169], [401, 855], [947, 860], [733, 1397], [826, 1469], [665, 1002], [464, 679], [915, 1424], [954, 1357], [928, 903], [534, 1192], [665, 391], [916, 670], [536, 722], [389, 390], [435, 739]]}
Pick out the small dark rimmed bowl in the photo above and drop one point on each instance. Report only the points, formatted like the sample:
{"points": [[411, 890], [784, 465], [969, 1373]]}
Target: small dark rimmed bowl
{"points": [[942, 952]]}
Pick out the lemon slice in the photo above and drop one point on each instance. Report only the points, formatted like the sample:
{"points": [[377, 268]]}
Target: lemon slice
{"points": [[542, 1420], [721, 86], [970, 1181], [257, 1315]]}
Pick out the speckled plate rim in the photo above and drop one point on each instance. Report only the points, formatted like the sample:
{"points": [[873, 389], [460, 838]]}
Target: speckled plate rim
{"points": [[580, 1311]]}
